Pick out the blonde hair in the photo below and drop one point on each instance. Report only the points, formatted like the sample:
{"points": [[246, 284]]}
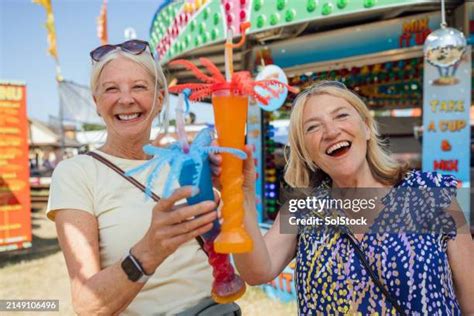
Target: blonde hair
{"points": [[145, 60], [301, 171]]}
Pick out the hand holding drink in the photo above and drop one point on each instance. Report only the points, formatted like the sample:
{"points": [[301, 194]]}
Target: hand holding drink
{"points": [[190, 166], [230, 96]]}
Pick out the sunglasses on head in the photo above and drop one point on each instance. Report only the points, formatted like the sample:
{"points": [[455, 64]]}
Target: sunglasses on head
{"points": [[135, 47], [329, 83]]}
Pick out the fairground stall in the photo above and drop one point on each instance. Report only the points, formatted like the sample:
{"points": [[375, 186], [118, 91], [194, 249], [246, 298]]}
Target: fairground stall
{"points": [[374, 47]]}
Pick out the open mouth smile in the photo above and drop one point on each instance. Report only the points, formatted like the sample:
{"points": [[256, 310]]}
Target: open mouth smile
{"points": [[128, 117], [338, 149]]}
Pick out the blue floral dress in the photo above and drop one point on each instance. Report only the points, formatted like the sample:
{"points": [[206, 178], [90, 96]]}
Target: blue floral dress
{"points": [[414, 268]]}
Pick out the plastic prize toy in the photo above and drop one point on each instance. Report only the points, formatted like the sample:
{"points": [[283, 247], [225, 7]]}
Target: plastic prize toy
{"points": [[190, 166], [230, 102]]}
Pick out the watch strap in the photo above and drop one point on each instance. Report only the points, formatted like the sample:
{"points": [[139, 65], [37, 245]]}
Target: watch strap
{"points": [[138, 269]]}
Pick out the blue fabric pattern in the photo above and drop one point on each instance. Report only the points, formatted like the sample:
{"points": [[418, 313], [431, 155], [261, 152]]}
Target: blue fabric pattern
{"points": [[414, 267]]}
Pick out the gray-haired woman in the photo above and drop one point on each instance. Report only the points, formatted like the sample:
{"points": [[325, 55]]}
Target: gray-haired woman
{"points": [[112, 238]]}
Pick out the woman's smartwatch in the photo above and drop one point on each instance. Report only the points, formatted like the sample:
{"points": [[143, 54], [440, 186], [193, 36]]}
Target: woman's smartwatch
{"points": [[133, 269]]}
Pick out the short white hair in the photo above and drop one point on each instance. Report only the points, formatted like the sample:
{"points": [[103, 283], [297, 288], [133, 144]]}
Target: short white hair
{"points": [[152, 67]]}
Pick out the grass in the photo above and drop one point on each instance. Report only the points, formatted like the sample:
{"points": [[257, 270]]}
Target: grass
{"points": [[46, 278], [256, 302]]}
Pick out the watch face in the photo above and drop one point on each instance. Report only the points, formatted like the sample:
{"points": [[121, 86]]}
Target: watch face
{"points": [[130, 269]]}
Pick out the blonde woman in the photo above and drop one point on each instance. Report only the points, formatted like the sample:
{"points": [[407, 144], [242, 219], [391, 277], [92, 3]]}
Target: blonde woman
{"points": [[334, 143]]}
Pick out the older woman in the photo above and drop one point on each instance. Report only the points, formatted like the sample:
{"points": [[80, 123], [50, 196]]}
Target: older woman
{"points": [[112, 238], [335, 143]]}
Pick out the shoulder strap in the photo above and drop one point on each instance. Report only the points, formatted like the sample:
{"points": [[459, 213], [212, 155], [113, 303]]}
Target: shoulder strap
{"points": [[118, 170], [135, 182], [374, 277]]}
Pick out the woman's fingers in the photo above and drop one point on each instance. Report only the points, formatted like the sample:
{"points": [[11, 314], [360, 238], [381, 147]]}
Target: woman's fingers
{"points": [[181, 239], [216, 171], [171, 226], [249, 173], [185, 213], [215, 158], [166, 205], [191, 225], [217, 195], [190, 211], [219, 213], [216, 161], [172, 242], [249, 151], [216, 164]]}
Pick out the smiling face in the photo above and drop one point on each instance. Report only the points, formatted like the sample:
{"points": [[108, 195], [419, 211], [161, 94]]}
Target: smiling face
{"points": [[124, 99], [335, 136]]}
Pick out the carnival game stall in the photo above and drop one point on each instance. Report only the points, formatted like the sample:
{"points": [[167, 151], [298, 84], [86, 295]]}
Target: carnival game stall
{"points": [[374, 47]]}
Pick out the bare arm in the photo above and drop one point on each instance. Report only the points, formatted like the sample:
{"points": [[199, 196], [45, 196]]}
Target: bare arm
{"points": [[461, 261], [109, 291], [93, 291], [259, 266]]}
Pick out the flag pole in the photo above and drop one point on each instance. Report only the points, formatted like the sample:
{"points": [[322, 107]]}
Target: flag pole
{"points": [[52, 50], [62, 139]]}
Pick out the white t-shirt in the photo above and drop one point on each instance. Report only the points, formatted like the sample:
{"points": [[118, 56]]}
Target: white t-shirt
{"points": [[123, 216]]}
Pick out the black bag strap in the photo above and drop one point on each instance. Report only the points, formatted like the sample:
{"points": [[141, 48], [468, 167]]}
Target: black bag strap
{"points": [[135, 182], [374, 277]]}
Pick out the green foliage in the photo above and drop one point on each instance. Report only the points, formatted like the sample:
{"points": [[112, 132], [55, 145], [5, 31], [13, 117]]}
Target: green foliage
{"points": [[92, 127]]}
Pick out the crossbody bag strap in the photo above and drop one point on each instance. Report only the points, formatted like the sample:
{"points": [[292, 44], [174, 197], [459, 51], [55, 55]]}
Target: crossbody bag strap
{"points": [[135, 182], [374, 277]]}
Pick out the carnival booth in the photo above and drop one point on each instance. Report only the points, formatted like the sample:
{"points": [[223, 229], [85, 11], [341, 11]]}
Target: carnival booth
{"points": [[374, 47]]}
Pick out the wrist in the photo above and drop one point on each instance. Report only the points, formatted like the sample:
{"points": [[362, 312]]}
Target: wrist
{"points": [[249, 192], [147, 260], [250, 201]]}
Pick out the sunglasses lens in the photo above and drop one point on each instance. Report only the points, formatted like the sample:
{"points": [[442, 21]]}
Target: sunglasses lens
{"points": [[101, 51], [134, 46]]}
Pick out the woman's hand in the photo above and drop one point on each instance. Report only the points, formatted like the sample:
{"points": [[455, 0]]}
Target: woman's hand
{"points": [[248, 173], [173, 226], [216, 167]]}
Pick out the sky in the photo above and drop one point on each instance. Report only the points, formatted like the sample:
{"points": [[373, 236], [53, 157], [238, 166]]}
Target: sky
{"points": [[23, 43]]}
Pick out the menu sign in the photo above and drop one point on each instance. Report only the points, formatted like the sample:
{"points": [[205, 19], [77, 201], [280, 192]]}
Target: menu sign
{"points": [[446, 126], [15, 217]]}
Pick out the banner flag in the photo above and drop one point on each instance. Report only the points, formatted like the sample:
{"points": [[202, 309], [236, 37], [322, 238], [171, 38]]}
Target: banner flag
{"points": [[52, 50], [102, 24]]}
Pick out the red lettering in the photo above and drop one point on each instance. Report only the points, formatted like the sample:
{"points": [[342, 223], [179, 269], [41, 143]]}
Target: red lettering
{"points": [[445, 165], [405, 40], [420, 37]]}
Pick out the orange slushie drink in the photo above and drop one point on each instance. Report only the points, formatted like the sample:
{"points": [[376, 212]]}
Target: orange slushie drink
{"points": [[230, 113]]}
